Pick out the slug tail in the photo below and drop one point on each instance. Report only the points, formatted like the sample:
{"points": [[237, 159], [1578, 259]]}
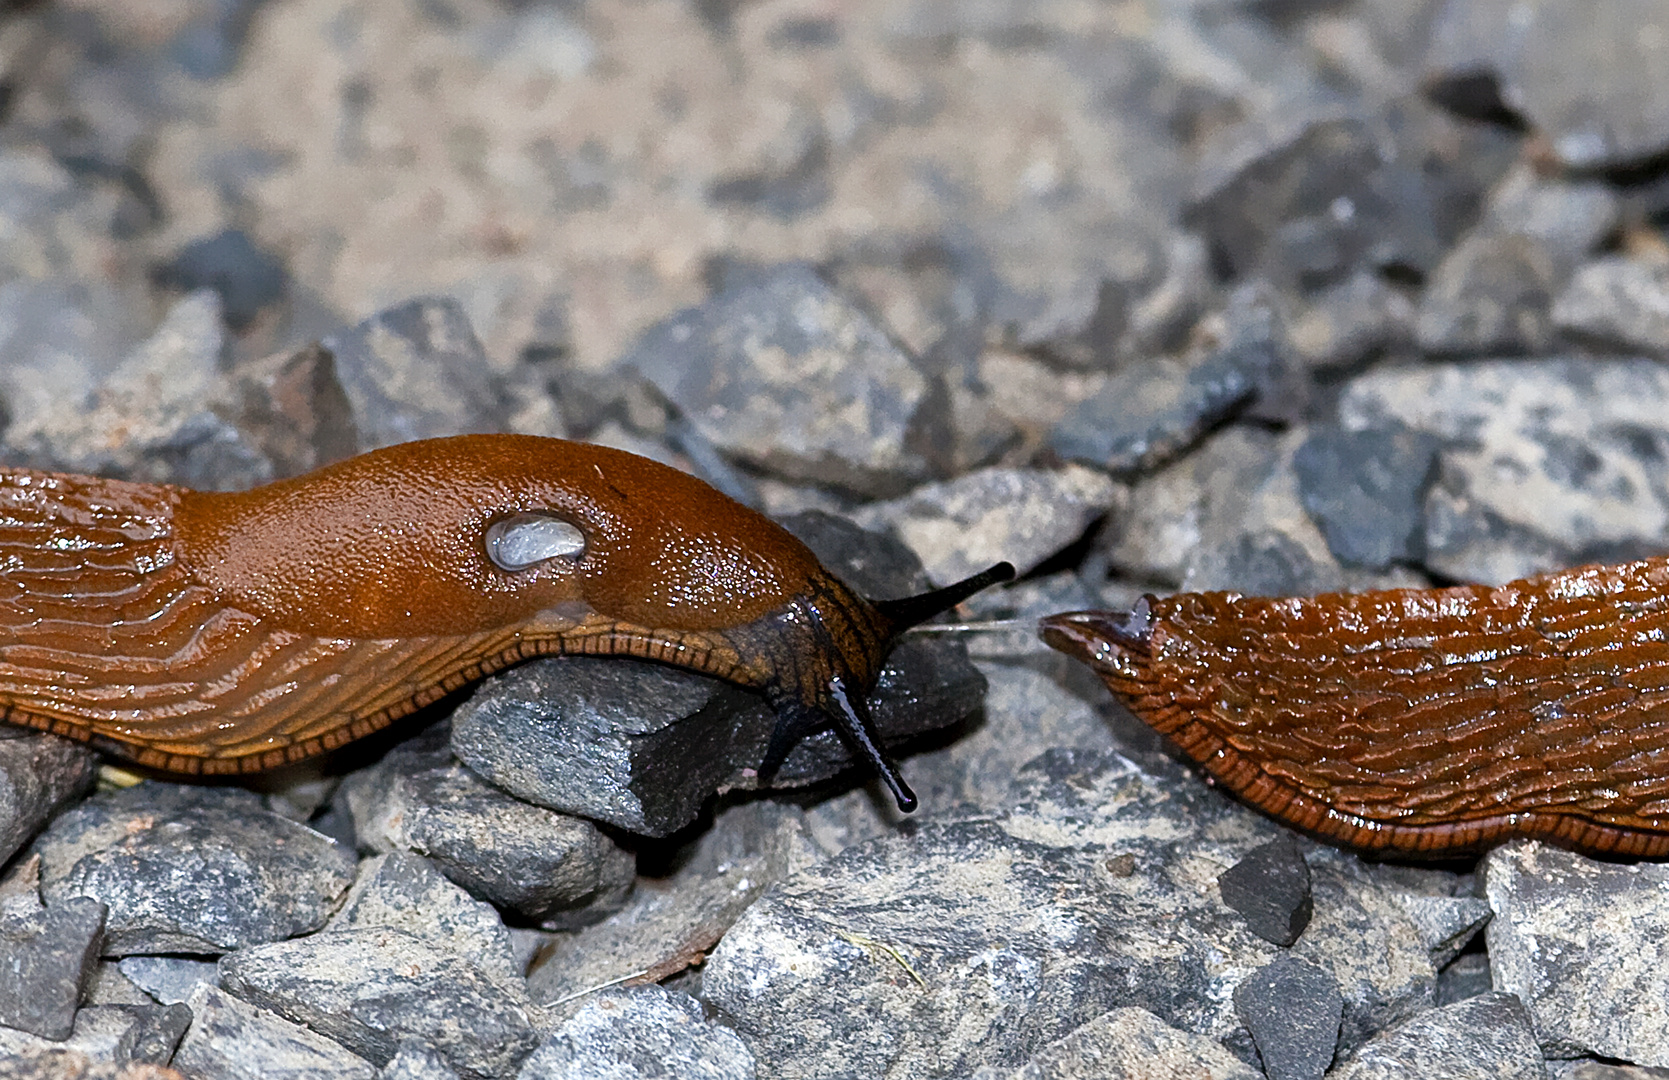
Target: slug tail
{"points": [[899, 615]]}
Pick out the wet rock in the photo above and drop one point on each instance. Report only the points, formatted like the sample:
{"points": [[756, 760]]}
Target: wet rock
{"points": [[1126, 1044], [642, 1032], [1292, 1010], [170, 979], [192, 870], [1367, 490], [1022, 516], [1587, 79], [231, 1039], [1566, 939], [405, 892], [1619, 302], [643, 746], [782, 373], [1546, 464], [524, 858], [368, 989], [672, 922], [417, 1060], [1482, 1038], [1492, 294], [50, 955], [1271, 888], [38, 775], [415, 371], [245, 277], [974, 934]]}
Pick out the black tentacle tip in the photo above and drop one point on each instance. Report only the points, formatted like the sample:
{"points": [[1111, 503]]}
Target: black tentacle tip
{"points": [[849, 715], [913, 610]]}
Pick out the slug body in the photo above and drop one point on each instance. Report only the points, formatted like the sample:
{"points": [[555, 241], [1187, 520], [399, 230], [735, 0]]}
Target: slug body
{"points": [[1416, 722], [203, 632]]}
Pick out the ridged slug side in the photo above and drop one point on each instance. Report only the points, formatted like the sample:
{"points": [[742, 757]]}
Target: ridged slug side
{"points": [[201, 632], [1416, 722]]}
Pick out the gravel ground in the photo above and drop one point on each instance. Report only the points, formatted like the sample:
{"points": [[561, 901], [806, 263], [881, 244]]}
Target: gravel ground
{"points": [[1278, 296]]}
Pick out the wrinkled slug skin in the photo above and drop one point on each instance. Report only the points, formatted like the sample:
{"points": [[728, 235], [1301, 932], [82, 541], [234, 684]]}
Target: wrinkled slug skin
{"points": [[218, 633], [1416, 722]]}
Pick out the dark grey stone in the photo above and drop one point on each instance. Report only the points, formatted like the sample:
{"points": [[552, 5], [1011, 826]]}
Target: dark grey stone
{"points": [[192, 870], [230, 1039], [637, 1034], [1587, 77], [170, 979], [49, 955], [784, 374], [405, 892], [1618, 302], [369, 989], [1481, 1038], [1271, 888], [1492, 294], [524, 858], [415, 371], [157, 1031], [1292, 1009], [1350, 323], [1466, 976], [246, 278], [38, 774], [208, 46], [416, 1059], [1367, 491]]}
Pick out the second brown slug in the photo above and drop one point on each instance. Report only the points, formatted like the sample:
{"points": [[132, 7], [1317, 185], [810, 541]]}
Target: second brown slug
{"points": [[1416, 722], [200, 632]]}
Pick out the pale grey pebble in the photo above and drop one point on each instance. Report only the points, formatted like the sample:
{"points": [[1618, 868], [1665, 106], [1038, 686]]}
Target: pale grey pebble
{"points": [[782, 372], [186, 869], [405, 892], [1127, 1044], [117, 1034], [230, 1039], [416, 1059], [1566, 939], [370, 988], [49, 956], [1618, 302], [521, 857], [38, 775], [641, 1032], [1292, 1008], [1488, 1037], [1492, 294], [170, 979]]}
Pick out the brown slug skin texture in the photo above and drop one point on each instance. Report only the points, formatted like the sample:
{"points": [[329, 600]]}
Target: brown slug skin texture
{"points": [[1420, 723], [217, 633]]}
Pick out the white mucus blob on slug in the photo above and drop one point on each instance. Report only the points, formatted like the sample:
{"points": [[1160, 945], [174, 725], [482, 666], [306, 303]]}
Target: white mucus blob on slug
{"points": [[525, 540]]}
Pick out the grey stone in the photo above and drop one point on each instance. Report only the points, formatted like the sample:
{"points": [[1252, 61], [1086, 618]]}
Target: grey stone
{"points": [[1547, 463], [643, 746], [1292, 1009], [1587, 78], [193, 870], [1566, 938], [640, 1033], [1618, 302], [56, 1063], [230, 1039], [524, 858], [673, 921], [416, 1059], [1466, 976], [38, 775], [115, 1034], [975, 935], [784, 374], [1491, 294], [245, 277], [415, 371], [1022, 516], [1271, 888], [157, 1031], [109, 986], [1127, 1044], [1349, 323], [1483, 1038], [170, 979], [1446, 924], [50, 955], [405, 892], [1367, 490], [368, 989]]}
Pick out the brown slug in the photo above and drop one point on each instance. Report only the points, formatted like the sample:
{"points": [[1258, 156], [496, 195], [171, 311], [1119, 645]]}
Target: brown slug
{"points": [[1420, 722], [203, 632]]}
